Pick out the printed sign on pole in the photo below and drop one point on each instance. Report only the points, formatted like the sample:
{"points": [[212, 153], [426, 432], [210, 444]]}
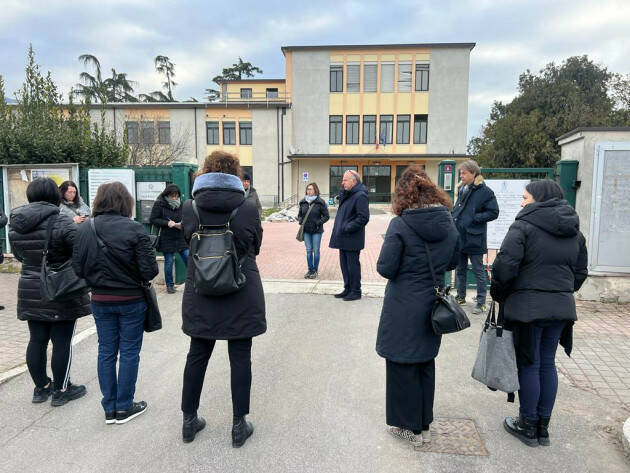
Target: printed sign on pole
{"points": [[305, 176]]}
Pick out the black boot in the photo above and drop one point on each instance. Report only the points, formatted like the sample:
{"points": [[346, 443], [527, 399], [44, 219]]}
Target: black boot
{"points": [[192, 425], [543, 431], [523, 429], [241, 431]]}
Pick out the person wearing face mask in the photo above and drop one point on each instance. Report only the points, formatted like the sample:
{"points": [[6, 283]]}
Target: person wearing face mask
{"points": [[542, 262], [313, 214], [72, 204], [167, 216]]}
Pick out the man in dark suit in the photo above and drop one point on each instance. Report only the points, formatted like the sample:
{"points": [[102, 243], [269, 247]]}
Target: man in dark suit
{"points": [[348, 234], [476, 206]]}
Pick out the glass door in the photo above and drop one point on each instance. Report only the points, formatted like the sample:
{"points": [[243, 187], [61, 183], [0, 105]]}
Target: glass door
{"points": [[336, 174], [377, 179]]}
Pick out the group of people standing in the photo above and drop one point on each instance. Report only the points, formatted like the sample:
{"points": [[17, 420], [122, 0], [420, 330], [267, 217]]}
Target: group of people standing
{"points": [[541, 263]]}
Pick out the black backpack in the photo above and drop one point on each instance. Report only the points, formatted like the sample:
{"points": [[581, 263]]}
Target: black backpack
{"points": [[217, 269]]}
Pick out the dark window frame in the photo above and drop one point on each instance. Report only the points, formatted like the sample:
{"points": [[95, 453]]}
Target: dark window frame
{"points": [[164, 133], [418, 120], [270, 91], [337, 121], [336, 78], [402, 129], [212, 127], [352, 129], [421, 69], [245, 130], [133, 135], [353, 87], [387, 122], [246, 92], [371, 132], [231, 133], [147, 132]]}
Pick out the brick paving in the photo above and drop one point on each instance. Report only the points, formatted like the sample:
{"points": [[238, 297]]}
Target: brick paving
{"points": [[283, 257]]}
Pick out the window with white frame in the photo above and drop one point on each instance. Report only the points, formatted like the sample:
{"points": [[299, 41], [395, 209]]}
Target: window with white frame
{"points": [[370, 76], [353, 72], [404, 77], [387, 77]]}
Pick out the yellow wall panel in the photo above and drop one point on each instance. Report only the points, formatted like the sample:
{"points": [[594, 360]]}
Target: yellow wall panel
{"points": [[387, 104], [421, 103], [353, 104], [423, 57], [388, 57], [370, 57], [246, 155], [335, 149], [403, 103], [370, 101], [405, 57], [336, 58], [353, 58], [335, 104], [228, 114]]}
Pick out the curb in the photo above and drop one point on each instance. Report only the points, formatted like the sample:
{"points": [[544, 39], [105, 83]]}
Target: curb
{"points": [[19, 369], [625, 436], [292, 286]]}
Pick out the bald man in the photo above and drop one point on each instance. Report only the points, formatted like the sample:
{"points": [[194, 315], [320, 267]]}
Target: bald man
{"points": [[348, 233]]}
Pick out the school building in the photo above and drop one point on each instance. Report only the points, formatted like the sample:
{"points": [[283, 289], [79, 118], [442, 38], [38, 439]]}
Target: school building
{"points": [[375, 109]]}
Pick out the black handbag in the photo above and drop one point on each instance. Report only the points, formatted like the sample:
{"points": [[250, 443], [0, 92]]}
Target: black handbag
{"points": [[447, 316], [59, 282], [155, 239], [153, 317]]}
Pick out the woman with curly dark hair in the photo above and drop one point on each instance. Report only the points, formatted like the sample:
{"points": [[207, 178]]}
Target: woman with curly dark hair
{"points": [[405, 336]]}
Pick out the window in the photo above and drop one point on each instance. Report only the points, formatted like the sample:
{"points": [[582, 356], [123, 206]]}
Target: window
{"points": [[387, 77], [245, 133], [336, 174], [420, 123], [369, 77], [164, 133], [369, 129], [272, 93], [422, 77], [212, 133], [246, 93], [229, 133], [354, 77], [335, 130], [132, 132], [385, 131], [336, 78], [402, 129], [352, 129], [148, 133], [404, 77]]}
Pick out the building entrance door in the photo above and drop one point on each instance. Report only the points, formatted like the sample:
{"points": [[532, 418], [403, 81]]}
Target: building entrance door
{"points": [[377, 179]]}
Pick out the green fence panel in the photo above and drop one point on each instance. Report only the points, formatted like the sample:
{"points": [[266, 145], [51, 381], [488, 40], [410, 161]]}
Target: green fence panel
{"points": [[3, 231], [567, 178]]}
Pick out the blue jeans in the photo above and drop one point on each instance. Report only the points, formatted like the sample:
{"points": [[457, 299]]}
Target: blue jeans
{"points": [[480, 275], [120, 329], [312, 242], [539, 381], [168, 265]]}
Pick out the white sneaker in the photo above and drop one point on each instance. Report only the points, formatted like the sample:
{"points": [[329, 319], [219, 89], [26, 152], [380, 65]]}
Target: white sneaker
{"points": [[407, 435]]}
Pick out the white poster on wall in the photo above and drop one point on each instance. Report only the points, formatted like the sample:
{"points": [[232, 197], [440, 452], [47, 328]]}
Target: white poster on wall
{"points": [[149, 190], [96, 177], [509, 194]]}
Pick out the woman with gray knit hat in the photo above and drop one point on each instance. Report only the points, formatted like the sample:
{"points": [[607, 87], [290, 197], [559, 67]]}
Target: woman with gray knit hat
{"points": [[542, 262]]}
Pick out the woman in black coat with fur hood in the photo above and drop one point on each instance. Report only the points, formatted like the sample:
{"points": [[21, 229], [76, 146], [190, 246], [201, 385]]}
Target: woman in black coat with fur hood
{"points": [[542, 261], [236, 317]]}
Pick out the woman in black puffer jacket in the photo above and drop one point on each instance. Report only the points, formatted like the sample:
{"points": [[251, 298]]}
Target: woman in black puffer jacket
{"points": [[46, 320], [313, 226], [542, 261], [167, 215]]}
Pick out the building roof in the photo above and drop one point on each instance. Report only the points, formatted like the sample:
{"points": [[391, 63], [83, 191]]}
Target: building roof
{"points": [[592, 129], [377, 46], [249, 80], [180, 105]]}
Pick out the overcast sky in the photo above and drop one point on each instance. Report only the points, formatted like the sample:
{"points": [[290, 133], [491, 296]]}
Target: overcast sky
{"points": [[202, 37]]}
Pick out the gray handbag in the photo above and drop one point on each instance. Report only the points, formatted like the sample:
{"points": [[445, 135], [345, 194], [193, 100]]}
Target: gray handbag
{"points": [[495, 365], [300, 233]]}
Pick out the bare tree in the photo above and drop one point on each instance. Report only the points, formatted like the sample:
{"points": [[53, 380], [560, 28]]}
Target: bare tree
{"points": [[147, 150]]}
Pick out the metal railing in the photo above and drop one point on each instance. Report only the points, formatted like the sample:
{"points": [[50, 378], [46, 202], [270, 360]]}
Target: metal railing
{"points": [[254, 97]]}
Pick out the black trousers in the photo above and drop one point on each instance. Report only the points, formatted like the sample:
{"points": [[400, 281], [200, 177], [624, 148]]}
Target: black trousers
{"points": [[410, 392], [61, 334], [351, 271], [240, 352]]}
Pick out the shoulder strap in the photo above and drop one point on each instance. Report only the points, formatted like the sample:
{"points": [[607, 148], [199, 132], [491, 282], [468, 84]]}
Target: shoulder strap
{"points": [[51, 223], [308, 213], [122, 263], [232, 215], [428, 250]]}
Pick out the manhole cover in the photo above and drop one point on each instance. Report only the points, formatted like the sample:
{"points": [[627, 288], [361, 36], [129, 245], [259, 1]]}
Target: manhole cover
{"points": [[454, 436]]}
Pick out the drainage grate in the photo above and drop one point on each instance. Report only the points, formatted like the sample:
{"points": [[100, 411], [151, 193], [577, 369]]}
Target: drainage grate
{"points": [[454, 436]]}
